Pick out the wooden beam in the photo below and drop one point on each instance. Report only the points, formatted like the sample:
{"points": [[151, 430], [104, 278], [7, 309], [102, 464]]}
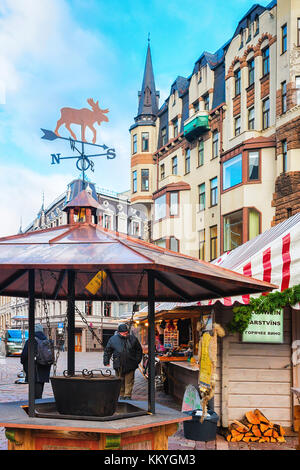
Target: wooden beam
{"points": [[205, 284], [14, 277], [169, 284], [60, 280], [113, 284]]}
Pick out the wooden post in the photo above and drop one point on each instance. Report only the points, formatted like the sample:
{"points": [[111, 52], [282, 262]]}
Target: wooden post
{"points": [[151, 342], [225, 380], [71, 322], [31, 364]]}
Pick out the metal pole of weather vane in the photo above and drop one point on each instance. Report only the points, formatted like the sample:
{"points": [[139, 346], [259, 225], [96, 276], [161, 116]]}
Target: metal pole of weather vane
{"points": [[84, 161]]}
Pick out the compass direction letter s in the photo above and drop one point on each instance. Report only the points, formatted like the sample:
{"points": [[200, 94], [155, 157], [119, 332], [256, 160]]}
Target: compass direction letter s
{"points": [[55, 158], [111, 154]]}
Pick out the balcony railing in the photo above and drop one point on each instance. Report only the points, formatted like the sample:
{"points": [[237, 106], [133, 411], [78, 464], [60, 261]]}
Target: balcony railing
{"points": [[196, 125]]}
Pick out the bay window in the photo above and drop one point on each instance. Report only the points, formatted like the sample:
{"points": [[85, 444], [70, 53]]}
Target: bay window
{"points": [[233, 230], [253, 165], [232, 172]]}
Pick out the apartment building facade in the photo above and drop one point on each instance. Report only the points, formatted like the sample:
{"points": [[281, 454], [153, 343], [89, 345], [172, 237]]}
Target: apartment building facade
{"points": [[222, 158]]}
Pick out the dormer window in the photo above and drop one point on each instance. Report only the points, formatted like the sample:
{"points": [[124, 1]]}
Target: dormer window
{"points": [[173, 98], [256, 25]]}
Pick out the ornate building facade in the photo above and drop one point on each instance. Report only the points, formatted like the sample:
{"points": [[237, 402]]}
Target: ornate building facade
{"points": [[218, 162], [114, 212]]}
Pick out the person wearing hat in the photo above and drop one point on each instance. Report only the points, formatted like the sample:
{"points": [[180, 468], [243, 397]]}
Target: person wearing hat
{"points": [[126, 351], [42, 371]]}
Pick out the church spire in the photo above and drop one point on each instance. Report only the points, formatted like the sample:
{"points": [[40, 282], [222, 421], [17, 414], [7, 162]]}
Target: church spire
{"points": [[148, 97]]}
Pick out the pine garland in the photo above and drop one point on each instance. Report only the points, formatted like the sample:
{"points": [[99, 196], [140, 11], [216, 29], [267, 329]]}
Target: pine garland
{"points": [[270, 303]]}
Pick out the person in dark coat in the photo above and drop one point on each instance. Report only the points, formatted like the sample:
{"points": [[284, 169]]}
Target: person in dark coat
{"points": [[126, 351], [42, 372]]}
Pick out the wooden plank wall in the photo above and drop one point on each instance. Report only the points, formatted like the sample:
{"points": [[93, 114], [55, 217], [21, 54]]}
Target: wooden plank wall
{"points": [[257, 376]]}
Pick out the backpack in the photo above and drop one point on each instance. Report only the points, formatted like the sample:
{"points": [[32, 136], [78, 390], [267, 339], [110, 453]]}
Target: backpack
{"points": [[45, 352]]}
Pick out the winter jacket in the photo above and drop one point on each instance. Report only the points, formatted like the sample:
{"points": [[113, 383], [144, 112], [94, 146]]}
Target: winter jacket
{"points": [[126, 352], [42, 373]]}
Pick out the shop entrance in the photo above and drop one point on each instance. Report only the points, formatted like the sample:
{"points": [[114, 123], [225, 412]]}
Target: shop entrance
{"points": [[78, 342]]}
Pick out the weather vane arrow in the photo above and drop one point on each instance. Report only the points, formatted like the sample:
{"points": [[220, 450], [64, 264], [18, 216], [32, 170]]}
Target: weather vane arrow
{"points": [[84, 117]]}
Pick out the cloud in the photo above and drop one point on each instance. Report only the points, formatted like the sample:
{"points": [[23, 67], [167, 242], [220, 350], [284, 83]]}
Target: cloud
{"points": [[46, 61], [21, 195]]}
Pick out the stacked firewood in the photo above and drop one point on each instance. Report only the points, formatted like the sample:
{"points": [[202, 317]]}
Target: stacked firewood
{"points": [[255, 427]]}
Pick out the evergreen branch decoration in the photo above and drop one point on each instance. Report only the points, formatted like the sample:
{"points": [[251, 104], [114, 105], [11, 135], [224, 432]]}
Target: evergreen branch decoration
{"points": [[270, 303]]}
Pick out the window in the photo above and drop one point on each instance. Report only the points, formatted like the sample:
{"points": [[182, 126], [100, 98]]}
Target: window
{"points": [[202, 245], [253, 165], [174, 244], [107, 221], [266, 61], [283, 98], [251, 118], [237, 126], [214, 191], [233, 230], [284, 156], [283, 38], [174, 197], [174, 98], [145, 180], [237, 82], [215, 145], [162, 242], [266, 113], [134, 144], [253, 223], [134, 181], [89, 307], [175, 128], [201, 189], [201, 152], [213, 242], [232, 172], [166, 205], [187, 161], [298, 90], [163, 136], [145, 141], [256, 25], [174, 165], [160, 207], [298, 32], [135, 228], [206, 102], [251, 71], [107, 309], [196, 106], [162, 171]]}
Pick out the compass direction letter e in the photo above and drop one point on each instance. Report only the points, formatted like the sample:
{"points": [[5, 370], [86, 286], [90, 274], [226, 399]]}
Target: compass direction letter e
{"points": [[55, 158]]}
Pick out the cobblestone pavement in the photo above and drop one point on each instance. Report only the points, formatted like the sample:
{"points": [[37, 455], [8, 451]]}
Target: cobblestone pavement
{"points": [[9, 391]]}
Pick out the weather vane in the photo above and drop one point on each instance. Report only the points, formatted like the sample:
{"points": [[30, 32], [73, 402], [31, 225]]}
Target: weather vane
{"points": [[84, 117]]}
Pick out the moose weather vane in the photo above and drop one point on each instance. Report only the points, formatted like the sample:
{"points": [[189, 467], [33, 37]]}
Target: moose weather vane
{"points": [[84, 117]]}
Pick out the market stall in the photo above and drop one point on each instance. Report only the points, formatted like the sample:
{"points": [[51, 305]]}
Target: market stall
{"points": [[83, 261], [257, 368]]}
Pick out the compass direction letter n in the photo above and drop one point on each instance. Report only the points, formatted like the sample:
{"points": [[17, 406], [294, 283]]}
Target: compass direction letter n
{"points": [[55, 158]]}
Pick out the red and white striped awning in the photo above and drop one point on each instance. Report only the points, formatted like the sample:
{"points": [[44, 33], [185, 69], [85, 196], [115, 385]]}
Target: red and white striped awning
{"points": [[273, 256]]}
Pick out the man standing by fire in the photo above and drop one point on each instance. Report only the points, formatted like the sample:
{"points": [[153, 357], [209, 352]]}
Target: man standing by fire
{"points": [[126, 351]]}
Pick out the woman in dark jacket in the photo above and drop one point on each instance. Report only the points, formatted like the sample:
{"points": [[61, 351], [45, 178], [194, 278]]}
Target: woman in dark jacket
{"points": [[42, 372], [126, 351]]}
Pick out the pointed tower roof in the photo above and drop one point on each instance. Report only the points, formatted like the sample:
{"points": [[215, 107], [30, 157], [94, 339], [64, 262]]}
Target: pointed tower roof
{"points": [[148, 97]]}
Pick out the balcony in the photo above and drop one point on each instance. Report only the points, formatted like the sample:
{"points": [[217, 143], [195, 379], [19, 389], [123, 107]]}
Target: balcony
{"points": [[196, 125]]}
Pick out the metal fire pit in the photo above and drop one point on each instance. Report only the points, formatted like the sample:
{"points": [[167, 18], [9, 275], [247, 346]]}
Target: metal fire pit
{"points": [[87, 394]]}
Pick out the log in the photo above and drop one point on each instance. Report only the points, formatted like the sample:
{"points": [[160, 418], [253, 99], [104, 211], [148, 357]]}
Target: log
{"points": [[251, 417]]}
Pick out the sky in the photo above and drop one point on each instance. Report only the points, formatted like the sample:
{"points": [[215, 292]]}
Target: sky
{"points": [[59, 53]]}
